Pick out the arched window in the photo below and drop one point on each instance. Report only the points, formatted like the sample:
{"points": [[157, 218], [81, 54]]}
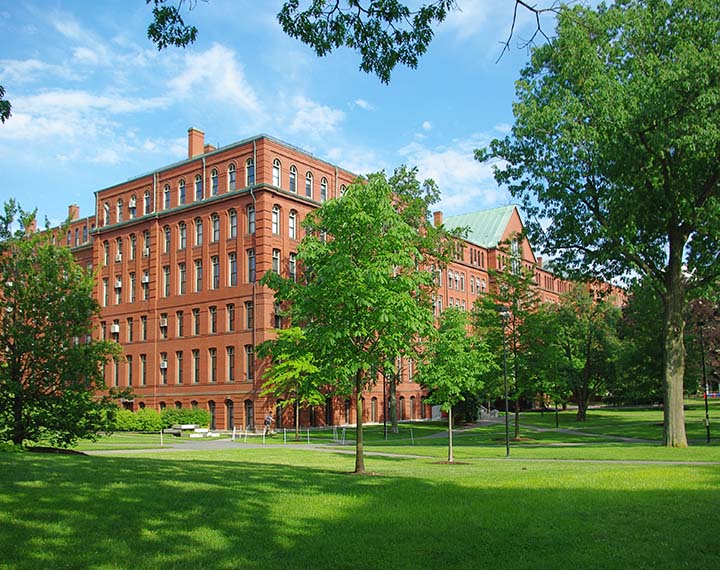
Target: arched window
{"points": [[276, 220], [118, 249], [166, 239], [211, 409], [250, 172], [374, 410], [232, 221], [412, 407], [198, 231], [231, 177], [401, 408], [198, 188], [119, 211], [166, 197], [229, 413], [251, 219], [181, 192], [309, 184], [292, 224], [132, 205], [293, 179], [323, 189], [214, 182], [342, 190], [106, 252], [147, 202], [106, 214], [276, 173]]}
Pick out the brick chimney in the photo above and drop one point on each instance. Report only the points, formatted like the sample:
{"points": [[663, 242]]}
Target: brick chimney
{"points": [[73, 211], [437, 219], [196, 142], [539, 261]]}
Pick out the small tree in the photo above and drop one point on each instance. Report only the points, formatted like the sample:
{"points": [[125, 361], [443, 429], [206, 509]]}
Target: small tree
{"points": [[367, 290], [51, 369], [291, 373], [587, 335], [452, 365]]}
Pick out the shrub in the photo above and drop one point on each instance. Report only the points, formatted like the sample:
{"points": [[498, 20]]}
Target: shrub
{"points": [[171, 416], [148, 420], [125, 420]]}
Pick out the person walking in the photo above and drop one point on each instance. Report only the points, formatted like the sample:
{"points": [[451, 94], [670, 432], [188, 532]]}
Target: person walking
{"points": [[268, 424]]}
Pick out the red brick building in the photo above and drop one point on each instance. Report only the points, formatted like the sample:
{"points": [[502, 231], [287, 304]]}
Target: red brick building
{"points": [[178, 252]]}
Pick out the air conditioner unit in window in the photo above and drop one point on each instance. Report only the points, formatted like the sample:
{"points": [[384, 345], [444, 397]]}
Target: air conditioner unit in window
{"points": [[118, 257], [118, 284], [146, 252], [163, 322], [163, 364], [115, 329], [132, 203], [145, 279]]}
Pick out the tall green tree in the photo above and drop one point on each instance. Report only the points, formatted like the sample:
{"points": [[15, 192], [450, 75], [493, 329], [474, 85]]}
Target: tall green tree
{"points": [[587, 337], [51, 370], [291, 373], [367, 291], [616, 143], [513, 291], [453, 365]]}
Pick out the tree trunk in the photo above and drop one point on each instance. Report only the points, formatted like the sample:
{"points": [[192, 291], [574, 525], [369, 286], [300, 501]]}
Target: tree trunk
{"points": [[392, 403], [297, 420], [18, 433], [450, 435], [359, 453], [674, 349]]}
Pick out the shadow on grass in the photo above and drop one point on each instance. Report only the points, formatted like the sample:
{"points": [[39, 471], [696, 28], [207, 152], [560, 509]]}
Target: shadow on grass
{"points": [[167, 513]]}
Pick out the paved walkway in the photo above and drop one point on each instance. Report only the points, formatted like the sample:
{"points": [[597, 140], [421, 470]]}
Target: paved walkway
{"points": [[227, 444]]}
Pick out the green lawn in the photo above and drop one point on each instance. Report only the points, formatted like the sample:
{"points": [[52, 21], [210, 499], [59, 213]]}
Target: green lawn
{"points": [[279, 507]]}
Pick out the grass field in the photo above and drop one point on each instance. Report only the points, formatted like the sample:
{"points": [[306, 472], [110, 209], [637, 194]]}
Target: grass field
{"points": [[280, 506]]}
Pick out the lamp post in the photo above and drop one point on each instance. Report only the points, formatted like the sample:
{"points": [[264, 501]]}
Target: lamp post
{"points": [[705, 384], [504, 316]]}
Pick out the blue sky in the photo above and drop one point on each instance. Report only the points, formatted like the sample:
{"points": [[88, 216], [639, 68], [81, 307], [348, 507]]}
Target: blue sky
{"points": [[95, 103]]}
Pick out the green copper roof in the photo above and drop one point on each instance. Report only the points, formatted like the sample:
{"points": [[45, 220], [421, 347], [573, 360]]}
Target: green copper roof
{"points": [[486, 227]]}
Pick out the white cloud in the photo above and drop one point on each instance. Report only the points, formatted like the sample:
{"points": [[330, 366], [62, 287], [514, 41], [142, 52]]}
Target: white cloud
{"points": [[503, 128], [313, 118], [86, 55], [17, 71], [216, 74], [466, 185], [427, 126], [470, 17], [363, 104]]}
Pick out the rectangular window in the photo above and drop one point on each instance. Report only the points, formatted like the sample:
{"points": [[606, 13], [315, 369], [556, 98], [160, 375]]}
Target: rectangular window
{"points": [[230, 363], [146, 284], [105, 292], [277, 316], [163, 325], [213, 364], [198, 275], [276, 261], [251, 265], [233, 224], [129, 369], [182, 229], [216, 227], [179, 366], [143, 328], [180, 318], [292, 267], [118, 290], [130, 329], [166, 281], [163, 367], [182, 278], [133, 284], [232, 269], [249, 315], [196, 321], [249, 362], [196, 366], [143, 369], [230, 317], [251, 219], [215, 260], [116, 373], [213, 319]]}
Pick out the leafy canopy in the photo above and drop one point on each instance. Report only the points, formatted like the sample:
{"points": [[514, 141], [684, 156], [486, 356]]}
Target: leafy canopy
{"points": [[50, 367]]}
